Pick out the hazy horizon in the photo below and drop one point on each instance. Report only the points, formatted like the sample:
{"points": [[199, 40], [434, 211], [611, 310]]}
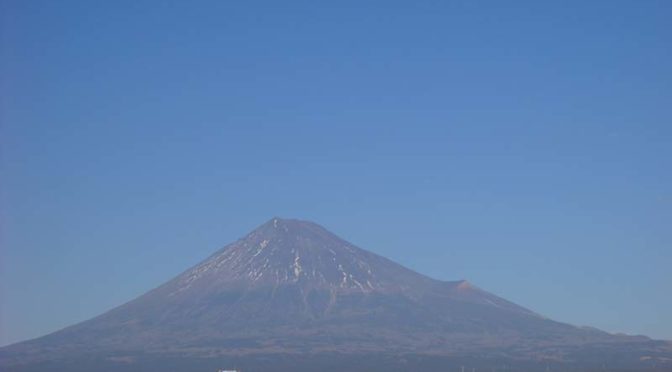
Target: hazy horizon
{"points": [[525, 148]]}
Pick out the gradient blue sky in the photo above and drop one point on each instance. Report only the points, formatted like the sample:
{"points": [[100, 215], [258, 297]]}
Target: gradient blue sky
{"points": [[525, 146]]}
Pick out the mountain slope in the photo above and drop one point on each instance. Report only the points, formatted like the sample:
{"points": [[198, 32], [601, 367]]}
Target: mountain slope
{"points": [[293, 288]]}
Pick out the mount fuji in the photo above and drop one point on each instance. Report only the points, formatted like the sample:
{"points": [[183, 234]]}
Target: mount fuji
{"points": [[291, 295]]}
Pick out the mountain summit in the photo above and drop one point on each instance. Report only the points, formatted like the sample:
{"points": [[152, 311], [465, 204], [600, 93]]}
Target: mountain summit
{"points": [[284, 251], [292, 294]]}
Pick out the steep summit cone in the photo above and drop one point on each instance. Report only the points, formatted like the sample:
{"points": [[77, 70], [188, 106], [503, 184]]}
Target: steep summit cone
{"points": [[286, 251], [291, 287]]}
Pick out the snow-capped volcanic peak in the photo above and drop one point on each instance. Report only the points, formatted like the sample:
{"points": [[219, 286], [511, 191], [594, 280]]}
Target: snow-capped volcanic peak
{"points": [[285, 251], [292, 288]]}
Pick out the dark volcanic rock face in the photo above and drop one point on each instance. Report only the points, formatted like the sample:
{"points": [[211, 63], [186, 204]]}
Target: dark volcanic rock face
{"points": [[290, 289]]}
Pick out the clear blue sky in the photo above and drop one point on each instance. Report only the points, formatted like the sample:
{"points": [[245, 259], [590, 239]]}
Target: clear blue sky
{"points": [[525, 146]]}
